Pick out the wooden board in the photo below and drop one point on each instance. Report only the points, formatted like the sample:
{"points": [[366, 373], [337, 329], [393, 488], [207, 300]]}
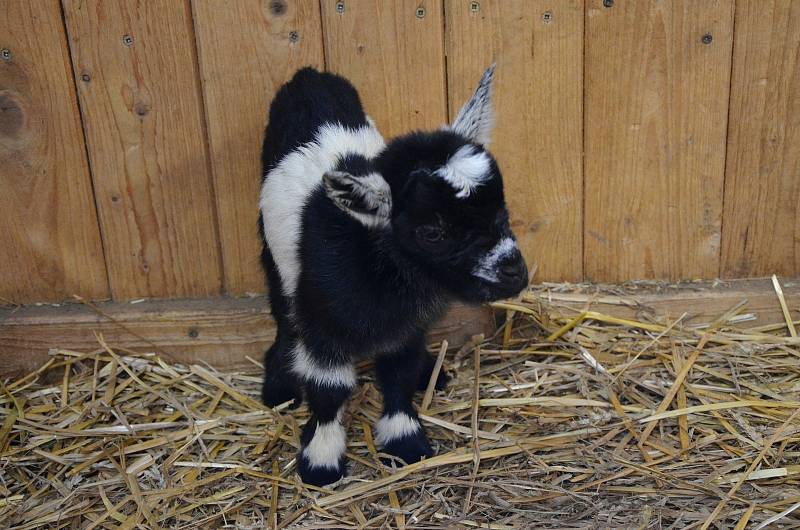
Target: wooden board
{"points": [[279, 36], [656, 101], [702, 301], [761, 225], [49, 241], [143, 117], [394, 55], [538, 47], [222, 332]]}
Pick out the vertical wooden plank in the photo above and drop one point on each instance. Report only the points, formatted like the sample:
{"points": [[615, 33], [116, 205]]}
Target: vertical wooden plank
{"points": [[393, 52], [761, 224], [538, 47], [656, 99], [50, 243], [279, 37], [143, 115]]}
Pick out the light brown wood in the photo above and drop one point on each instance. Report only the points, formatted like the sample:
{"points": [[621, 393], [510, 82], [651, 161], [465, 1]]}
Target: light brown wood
{"points": [[656, 101], [49, 239], [761, 225], [703, 301], [538, 47], [222, 332], [143, 116], [393, 55], [247, 50]]}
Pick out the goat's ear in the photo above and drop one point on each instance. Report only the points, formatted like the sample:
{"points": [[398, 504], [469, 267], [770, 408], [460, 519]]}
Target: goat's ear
{"points": [[366, 198], [475, 120]]}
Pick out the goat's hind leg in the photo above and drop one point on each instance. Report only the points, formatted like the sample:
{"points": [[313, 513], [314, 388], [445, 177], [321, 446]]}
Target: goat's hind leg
{"points": [[281, 384], [399, 432], [323, 442]]}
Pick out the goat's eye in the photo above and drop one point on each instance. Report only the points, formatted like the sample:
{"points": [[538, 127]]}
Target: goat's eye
{"points": [[430, 234]]}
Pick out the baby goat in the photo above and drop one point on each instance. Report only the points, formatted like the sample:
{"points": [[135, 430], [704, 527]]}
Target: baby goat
{"points": [[365, 245]]}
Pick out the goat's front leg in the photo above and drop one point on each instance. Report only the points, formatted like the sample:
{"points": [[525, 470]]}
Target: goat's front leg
{"points": [[323, 442], [399, 432]]}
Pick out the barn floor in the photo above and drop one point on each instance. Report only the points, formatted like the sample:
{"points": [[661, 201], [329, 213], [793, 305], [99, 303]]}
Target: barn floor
{"points": [[576, 419]]}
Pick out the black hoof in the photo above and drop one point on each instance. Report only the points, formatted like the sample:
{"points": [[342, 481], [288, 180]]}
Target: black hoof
{"points": [[441, 379], [409, 449], [320, 476], [273, 393]]}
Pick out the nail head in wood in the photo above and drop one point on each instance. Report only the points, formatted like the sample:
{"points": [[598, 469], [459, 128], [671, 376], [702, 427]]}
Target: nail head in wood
{"points": [[294, 36], [127, 40], [474, 7], [5, 53], [547, 17], [707, 38], [608, 3], [420, 12], [340, 7]]}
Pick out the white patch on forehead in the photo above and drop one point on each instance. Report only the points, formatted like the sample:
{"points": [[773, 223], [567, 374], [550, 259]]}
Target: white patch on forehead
{"points": [[304, 365], [467, 169], [486, 269], [288, 186]]}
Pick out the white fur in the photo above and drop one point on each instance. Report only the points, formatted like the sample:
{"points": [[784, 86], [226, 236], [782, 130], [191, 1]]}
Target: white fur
{"points": [[288, 186], [327, 445], [486, 268], [468, 168], [475, 120], [307, 367], [371, 188], [395, 426]]}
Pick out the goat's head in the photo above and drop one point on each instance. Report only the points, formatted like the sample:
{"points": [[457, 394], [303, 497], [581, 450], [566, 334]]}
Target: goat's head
{"points": [[447, 211]]}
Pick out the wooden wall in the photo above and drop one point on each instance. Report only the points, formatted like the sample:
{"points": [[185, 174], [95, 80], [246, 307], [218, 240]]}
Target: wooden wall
{"points": [[638, 138]]}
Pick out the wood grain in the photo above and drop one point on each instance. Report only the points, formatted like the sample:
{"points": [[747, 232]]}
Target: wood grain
{"points": [[761, 224], [279, 37], [222, 332], [394, 57], [656, 101], [538, 47], [143, 117], [50, 243]]}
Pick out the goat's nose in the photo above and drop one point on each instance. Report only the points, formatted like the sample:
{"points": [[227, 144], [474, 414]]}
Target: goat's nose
{"points": [[513, 270]]}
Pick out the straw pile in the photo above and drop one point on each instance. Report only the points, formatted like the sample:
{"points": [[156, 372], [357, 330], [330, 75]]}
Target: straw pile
{"points": [[565, 419]]}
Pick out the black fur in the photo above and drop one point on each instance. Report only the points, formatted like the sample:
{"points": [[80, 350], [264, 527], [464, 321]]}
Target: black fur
{"points": [[375, 292]]}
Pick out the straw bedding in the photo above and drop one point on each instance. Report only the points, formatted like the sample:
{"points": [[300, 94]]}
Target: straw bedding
{"points": [[564, 419]]}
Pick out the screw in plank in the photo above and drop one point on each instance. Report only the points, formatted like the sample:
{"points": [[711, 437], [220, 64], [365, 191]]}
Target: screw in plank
{"points": [[340, 7], [127, 40], [5, 53], [608, 3], [474, 7], [86, 77], [707, 38], [547, 17], [193, 333], [420, 12], [294, 36]]}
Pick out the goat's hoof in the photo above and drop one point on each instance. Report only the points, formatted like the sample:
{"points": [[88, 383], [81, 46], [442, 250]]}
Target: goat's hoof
{"points": [[319, 475], [409, 449], [273, 394]]}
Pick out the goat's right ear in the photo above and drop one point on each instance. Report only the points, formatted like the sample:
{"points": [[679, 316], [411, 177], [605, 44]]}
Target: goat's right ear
{"points": [[475, 120], [366, 198]]}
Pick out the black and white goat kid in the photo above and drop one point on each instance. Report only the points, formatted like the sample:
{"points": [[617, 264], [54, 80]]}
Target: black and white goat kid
{"points": [[365, 245]]}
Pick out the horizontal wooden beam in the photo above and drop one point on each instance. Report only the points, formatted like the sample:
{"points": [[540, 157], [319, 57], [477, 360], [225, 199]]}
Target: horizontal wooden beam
{"points": [[223, 332], [703, 301]]}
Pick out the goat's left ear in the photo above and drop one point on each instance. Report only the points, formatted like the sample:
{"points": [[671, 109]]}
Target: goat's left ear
{"points": [[366, 198], [475, 120]]}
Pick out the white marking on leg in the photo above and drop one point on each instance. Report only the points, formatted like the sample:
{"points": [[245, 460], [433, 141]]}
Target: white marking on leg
{"points": [[395, 426], [467, 169], [486, 269], [288, 186], [327, 445], [304, 365]]}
